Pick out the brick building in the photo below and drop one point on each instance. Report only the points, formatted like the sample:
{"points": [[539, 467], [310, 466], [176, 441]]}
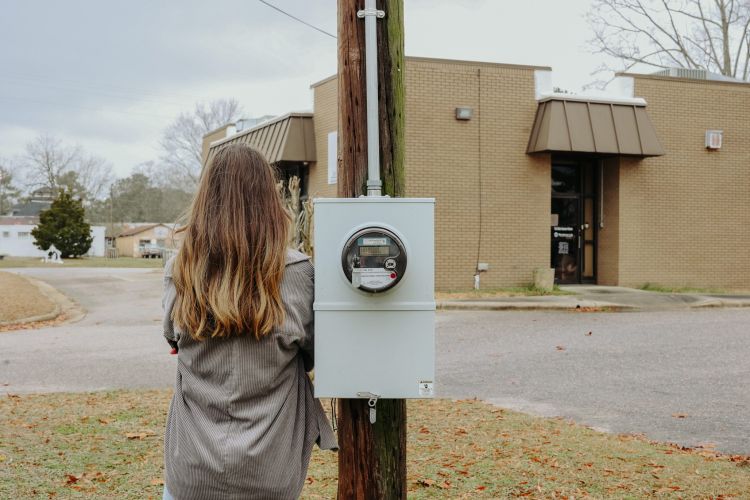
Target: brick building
{"points": [[621, 190]]}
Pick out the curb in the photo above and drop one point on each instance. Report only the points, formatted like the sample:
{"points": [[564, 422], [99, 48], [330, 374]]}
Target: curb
{"points": [[719, 303], [63, 305], [585, 305], [531, 306]]}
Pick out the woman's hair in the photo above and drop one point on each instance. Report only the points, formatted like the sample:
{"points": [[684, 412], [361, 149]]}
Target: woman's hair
{"points": [[228, 271]]}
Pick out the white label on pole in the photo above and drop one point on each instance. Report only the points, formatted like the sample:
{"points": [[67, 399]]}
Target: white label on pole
{"points": [[425, 388], [333, 156]]}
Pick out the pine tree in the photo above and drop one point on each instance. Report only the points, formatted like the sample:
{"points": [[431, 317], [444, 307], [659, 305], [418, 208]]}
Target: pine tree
{"points": [[64, 226]]}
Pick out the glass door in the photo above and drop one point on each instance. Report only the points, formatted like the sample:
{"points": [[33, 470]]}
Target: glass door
{"points": [[573, 224], [566, 239]]}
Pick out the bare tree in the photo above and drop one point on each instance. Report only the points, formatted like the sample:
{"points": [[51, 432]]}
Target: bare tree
{"points": [[50, 164], [9, 192], [183, 139], [698, 34]]}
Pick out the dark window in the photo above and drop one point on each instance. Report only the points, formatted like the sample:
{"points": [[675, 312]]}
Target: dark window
{"points": [[564, 179]]}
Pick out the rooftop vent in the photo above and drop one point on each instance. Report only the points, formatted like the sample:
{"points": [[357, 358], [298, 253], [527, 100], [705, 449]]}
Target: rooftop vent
{"points": [[695, 74]]}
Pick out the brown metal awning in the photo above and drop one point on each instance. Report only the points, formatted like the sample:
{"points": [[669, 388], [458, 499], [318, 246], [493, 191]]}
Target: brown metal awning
{"points": [[574, 125], [286, 138]]}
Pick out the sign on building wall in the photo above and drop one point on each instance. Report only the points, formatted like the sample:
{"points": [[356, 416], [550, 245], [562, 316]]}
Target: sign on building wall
{"points": [[333, 156], [713, 139]]}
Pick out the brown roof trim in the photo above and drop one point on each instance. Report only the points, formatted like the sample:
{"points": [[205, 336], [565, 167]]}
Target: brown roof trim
{"points": [[139, 229], [628, 101], [594, 127], [453, 61], [324, 80], [686, 80], [290, 137], [19, 220], [261, 126], [476, 63]]}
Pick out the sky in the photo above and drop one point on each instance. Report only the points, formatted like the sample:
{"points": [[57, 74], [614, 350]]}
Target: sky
{"points": [[111, 76]]}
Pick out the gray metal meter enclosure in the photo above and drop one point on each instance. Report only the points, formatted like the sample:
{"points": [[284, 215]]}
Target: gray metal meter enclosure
{"points": [[374, 297]]}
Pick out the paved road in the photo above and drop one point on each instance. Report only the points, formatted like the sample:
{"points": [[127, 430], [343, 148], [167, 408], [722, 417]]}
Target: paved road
{"points": [[632, 374], [117, 344]]}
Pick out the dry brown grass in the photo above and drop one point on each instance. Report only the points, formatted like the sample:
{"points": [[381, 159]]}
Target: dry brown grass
{"points": [[491, 293], [20, 299], [109, 445]]}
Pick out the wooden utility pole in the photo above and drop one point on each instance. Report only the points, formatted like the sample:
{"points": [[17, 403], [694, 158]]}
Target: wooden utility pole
{"points": [[372, 457]]}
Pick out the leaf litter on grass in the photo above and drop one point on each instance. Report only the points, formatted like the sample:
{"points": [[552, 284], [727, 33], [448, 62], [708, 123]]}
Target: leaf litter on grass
{"points": [[109, 444]]}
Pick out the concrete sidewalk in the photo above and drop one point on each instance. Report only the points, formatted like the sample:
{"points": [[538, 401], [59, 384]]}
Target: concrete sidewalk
{"points": [[587, 297]]}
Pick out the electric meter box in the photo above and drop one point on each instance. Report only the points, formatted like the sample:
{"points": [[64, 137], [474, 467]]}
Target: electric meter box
{"points": [[374, 297]]}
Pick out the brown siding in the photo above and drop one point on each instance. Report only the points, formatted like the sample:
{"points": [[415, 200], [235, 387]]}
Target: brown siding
{"points": [[127, 246], [215, 135], [325, 105], [443, 157], [683, 215], [609, 235], [443, 161]]}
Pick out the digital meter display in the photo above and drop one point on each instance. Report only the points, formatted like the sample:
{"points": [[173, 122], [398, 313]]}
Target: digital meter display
{"points": [[374, 251], [374, 259]]}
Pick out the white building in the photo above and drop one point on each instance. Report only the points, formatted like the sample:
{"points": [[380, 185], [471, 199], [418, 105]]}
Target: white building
{"points": [[16, 239]]}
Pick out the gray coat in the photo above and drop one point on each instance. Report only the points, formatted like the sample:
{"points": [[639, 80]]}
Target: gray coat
{"points": [[243, 419]]}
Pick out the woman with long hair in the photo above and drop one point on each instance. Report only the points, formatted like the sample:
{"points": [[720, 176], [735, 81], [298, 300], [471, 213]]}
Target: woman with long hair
{"points": [[238, 305]]}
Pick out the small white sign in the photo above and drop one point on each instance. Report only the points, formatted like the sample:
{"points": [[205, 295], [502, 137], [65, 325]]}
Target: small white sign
{"points": [[425, 388], [713, 139], [333, 157]]}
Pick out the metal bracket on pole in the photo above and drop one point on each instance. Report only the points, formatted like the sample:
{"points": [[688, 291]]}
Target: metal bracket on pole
{"points": [[370, 14]]}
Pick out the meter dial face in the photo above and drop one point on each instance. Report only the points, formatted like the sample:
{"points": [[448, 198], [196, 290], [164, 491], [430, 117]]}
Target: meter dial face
{"points": [[374, 259]]}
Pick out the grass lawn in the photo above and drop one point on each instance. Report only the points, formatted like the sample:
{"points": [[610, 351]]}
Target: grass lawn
{"points": [[521, 291], [651, 287], [81, 262], [20, 299], [109, 445]]}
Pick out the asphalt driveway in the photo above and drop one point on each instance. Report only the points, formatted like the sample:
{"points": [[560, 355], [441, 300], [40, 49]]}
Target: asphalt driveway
{"points": [[676, 376]]}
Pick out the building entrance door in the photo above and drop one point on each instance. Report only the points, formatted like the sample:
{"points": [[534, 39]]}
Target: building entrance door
{"points": [[574, 224]]}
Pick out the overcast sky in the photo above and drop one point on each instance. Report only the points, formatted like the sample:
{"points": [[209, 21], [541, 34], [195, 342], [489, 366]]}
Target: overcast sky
{"points": [[111, 76]]}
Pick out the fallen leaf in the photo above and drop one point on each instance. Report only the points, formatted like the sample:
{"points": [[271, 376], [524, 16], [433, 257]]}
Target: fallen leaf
{"points": [[139, 435], [425, 482], [157, 482], [71, 479], [560, 347], [679, 415]]}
